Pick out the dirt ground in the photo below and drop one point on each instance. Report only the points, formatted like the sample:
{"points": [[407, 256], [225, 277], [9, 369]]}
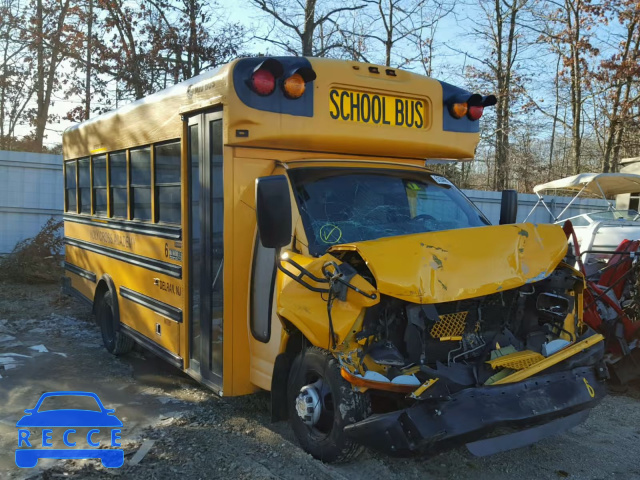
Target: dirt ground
{"points": [[48, 343]]}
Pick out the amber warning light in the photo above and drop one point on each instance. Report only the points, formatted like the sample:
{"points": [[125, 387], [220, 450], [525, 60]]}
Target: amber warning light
{"points": [[471, 106], [268, 74]]}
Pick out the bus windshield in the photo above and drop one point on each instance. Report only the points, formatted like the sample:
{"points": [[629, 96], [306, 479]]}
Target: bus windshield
{"points": [[346, 205]]}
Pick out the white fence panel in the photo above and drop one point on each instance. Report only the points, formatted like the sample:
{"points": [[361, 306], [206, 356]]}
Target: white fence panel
{"points": [[31, 187], [489, 204]]}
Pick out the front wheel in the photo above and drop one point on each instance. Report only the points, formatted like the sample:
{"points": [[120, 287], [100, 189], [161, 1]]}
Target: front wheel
{"points": [[321, 403]]}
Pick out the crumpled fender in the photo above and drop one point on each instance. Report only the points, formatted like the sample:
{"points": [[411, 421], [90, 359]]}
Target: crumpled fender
{"points": [[450, 265], [307, 310]]}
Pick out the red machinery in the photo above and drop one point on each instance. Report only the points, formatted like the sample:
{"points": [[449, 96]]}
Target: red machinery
{"points": [[612, 304]]}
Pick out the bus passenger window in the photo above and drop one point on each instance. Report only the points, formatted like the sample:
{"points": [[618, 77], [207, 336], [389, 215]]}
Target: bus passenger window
{"points": [[70, 187], [118, 184], [84, 186], [141, 183], [100, 185], [167, 163]]}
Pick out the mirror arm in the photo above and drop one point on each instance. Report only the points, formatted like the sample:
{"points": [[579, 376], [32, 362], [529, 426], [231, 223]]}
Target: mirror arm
{"points": [[300, 277], [306, 273], [372, 296]]}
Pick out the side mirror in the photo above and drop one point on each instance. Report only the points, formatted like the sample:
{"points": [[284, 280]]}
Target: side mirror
{"points": [[273, 211], [508, 207]]}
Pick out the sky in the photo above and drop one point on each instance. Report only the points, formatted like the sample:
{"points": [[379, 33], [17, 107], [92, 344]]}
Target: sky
{"points": [[449, 32]]}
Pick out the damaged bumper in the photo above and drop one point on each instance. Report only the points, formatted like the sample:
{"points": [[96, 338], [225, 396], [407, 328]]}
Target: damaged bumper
{"points": [[537, 408]]}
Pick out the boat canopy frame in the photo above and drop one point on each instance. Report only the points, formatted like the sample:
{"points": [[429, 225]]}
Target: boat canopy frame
{"points": [[597, 184]]}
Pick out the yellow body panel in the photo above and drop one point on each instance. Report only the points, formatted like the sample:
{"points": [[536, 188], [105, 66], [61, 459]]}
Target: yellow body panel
{"points": [[465, 263], [144, 321], [241, 236], [307, 310], [169, 290], [157, 117], [147, 246]]}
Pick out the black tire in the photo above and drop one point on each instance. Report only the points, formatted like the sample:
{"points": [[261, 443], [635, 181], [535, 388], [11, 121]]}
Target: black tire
{"points": [[326, 440], [115, 341]]}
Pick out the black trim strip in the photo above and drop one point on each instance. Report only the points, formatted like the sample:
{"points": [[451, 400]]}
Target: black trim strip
{"points": [[81, 272], [329, 152], [153, 347], [161, 308], [138, 260], [160, 231]]}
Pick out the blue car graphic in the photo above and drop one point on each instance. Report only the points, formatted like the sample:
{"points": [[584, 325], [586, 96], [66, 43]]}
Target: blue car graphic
{"points": [[28, 457]]}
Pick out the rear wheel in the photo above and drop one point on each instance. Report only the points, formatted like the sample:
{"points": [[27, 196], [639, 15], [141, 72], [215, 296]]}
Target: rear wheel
{"points": [[321, 403], [115, 341]]}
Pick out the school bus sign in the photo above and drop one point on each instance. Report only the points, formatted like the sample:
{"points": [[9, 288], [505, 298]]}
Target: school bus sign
{"points": [[377, 109]]}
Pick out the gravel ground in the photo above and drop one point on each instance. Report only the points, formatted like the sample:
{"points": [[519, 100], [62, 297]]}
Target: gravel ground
{"points": [[192, 433]]}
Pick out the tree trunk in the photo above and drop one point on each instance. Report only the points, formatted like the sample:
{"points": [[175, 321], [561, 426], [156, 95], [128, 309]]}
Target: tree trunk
{"points": [[3, 92], [616, 124], [45, 85], [193, 38], [87, 81], [573, 9], [620, 131], [309, 28], [504, 65], [389, 43], [555, 120], [40, 122]]}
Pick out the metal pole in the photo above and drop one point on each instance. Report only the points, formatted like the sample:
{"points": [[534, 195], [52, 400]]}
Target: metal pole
{"points": [[572, 200]]}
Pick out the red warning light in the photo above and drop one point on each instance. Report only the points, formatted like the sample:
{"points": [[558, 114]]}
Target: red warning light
{"points": [[263, 82]]}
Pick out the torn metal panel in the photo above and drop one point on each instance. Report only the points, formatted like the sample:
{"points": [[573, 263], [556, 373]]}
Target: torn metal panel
{"points": [[460, 264], [307, 310]]}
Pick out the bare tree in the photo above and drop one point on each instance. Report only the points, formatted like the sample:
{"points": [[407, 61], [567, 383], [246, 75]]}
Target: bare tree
{"points": [[567, 31], [87, 85], [187, 37], [405, 26], [48, 36], [16, 91], [296, 25], [500, 34], [618, 74], [432, 13], [125, 50]]}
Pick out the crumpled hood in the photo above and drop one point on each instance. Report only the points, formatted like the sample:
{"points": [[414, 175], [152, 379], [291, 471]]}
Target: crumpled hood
{"points": [[458, 264]]}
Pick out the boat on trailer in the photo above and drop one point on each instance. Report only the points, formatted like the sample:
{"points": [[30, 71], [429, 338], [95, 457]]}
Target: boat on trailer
{"points": [[605, 246]]}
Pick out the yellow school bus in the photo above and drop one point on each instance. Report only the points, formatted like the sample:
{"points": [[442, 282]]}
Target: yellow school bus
{"points": [[273, 225]]}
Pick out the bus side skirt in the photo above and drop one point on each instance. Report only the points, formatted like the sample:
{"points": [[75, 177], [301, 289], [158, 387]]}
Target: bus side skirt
{"points": [[279, 387]]}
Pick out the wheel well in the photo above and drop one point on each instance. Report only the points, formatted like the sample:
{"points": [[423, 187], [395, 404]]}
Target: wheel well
{"points": [[296, 343], [280, 379], [101, 289]]}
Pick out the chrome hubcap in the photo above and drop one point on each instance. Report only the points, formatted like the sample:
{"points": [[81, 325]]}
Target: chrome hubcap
{"points": [[309, 404]]}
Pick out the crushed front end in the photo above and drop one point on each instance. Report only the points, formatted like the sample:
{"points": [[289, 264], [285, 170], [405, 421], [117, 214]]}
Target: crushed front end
{"points": [[455, 342], [473, 367]]}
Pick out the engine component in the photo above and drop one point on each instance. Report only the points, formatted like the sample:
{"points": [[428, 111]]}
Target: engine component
{"points": [[386, 353], [554, 304], [461, 334]]}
